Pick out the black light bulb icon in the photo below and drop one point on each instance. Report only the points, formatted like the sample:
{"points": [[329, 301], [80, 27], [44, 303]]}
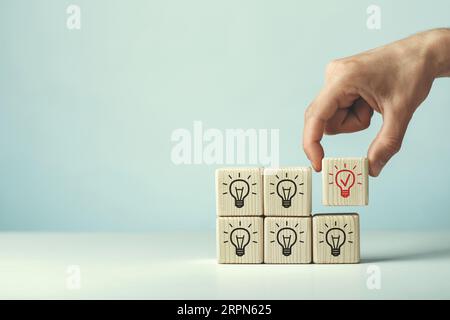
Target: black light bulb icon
{"points": [[239, 190], [286, 190], [286, 238], [240, 238], [335, 239]]}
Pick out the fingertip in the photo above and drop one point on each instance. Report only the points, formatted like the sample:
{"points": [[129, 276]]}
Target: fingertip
{"points": [[375, 167], [317, 166], [315, 156], [373, 173]]}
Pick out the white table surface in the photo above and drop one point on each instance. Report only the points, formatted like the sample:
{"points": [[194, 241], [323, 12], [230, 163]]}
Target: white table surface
{"points": [[183, 266]]}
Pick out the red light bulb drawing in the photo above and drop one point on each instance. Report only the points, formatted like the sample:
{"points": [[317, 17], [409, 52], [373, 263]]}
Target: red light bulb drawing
{"points": [[345, 179]]}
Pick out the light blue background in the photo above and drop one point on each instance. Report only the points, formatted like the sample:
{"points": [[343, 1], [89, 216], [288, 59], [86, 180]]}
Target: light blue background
{"points": [[86, 116]]}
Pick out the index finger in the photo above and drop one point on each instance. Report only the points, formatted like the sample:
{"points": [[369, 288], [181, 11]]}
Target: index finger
{"points": [[316, 116]]}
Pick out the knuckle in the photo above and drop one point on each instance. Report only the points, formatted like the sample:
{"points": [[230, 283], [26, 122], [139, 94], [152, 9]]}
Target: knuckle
{"points": [[310, 112], [308, 147], [342, 69], [333, 67]]}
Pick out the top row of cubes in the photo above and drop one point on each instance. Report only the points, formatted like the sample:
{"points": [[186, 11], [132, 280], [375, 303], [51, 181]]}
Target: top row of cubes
{"points": [[287, 192]]}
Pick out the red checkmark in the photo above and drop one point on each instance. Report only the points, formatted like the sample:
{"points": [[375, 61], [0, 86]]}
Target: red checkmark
{"points": [[346, 181]]}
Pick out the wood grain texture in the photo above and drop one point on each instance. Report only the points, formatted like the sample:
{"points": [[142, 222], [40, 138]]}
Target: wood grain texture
{"points": [[288, 240], [336, 238], [239, 192], [345, 181], [287, 192], [240, 240]]}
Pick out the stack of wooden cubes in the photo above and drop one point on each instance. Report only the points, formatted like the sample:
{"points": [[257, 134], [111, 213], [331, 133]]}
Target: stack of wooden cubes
{"points": [[264, 215]]}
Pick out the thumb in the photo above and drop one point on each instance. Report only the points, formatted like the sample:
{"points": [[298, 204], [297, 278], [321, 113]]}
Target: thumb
{"points": [[388, 141]]}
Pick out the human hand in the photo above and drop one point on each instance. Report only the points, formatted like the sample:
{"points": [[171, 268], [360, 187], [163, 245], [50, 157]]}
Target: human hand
{"points": [[392, 80]]}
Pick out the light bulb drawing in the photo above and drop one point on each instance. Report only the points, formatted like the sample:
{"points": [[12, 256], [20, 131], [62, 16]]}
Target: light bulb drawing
{"points": [[286, 237], [336, 237], [239, 189], [286, 189], [345, 179], [240, 238]]}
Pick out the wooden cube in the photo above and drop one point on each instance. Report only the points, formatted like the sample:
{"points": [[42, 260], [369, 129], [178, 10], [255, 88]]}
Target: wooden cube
{"points": [[345, 181], [287, 192], [287, 240], [240, 239], [336, 238], [239, 192]]}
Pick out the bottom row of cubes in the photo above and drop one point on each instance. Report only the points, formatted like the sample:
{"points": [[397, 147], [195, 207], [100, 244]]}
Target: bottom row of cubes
{"points": [[323, 238]]}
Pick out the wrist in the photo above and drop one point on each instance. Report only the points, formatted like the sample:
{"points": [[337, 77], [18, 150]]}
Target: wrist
{"points": [[438, 46]]}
